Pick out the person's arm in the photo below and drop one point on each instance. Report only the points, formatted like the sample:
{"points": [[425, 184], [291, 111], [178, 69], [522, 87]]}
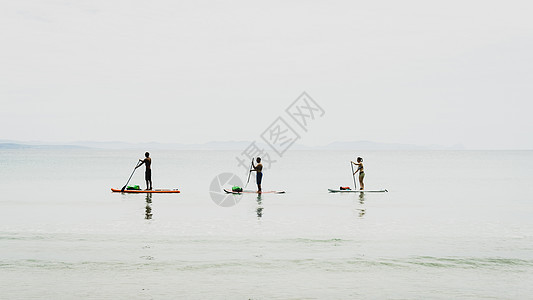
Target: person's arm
{"points": [[253, 166], [358, 166], [142, 162]]}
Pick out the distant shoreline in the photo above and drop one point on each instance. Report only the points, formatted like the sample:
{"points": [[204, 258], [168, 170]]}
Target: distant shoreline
{"points": [[226, 145], [200, 147]]}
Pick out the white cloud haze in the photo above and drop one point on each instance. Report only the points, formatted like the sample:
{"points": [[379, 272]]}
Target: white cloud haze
{"points": [[420, 72]]}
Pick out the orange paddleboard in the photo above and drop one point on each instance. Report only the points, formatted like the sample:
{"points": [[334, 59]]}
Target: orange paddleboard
{"points": [[146, 191]]}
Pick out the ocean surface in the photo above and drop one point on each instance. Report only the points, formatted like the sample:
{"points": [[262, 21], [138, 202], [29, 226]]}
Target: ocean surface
{"points": [[454, 225]]}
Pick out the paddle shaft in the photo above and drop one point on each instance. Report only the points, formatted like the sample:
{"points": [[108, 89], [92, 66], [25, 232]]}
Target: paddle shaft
{"points": [[124, 187], [353, 175], [249, 173]]}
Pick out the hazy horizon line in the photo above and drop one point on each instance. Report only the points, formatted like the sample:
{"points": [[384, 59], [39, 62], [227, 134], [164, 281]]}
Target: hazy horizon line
{"points": [[231, 145]]}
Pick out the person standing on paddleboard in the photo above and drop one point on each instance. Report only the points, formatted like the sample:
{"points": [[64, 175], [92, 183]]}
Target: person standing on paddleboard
{"points": [[148, 173], [259, 176], [361, 171]]}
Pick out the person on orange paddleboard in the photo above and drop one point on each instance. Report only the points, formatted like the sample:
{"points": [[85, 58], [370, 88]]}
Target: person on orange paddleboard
{"points": [[148, 173]]}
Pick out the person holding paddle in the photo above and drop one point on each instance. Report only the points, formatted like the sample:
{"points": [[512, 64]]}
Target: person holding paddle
{"points": [[259, 176], [361, 171], [148, 173]]}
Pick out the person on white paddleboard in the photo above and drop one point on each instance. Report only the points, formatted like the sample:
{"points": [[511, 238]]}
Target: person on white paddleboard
{"points": [[361, 171], [259, 175]]}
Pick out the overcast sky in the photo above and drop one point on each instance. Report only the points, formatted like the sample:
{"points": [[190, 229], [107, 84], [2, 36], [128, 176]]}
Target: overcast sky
{"points": [[418, 72]]}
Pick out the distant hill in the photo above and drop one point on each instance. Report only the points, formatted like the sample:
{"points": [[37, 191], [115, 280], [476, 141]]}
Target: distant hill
{"points": [[15, 146], [368, 145]]}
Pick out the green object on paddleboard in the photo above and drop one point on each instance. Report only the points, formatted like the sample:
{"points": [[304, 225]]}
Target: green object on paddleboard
{"points": [[236, 189], [135, 187]]}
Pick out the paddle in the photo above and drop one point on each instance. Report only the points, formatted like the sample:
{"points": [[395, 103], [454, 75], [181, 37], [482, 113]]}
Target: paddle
{"points": [[249, 173], [124, 187], [353, 175]]}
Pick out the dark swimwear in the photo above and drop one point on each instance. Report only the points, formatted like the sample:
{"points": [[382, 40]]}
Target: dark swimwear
{"points": [[259, 177], [148, 175]]}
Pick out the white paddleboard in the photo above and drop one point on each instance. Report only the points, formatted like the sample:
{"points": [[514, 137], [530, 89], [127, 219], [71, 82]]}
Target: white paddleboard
{"points": [[357, 191], [253, 192]]}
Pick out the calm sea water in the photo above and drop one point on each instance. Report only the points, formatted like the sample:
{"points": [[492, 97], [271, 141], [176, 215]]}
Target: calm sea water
{"points": [[454, 225]]}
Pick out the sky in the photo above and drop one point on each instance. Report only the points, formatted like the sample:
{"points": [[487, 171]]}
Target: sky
{"points": [[411, 72]]}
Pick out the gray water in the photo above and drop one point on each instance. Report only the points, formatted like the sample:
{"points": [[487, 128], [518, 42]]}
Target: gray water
{"points": [[454, 225]]}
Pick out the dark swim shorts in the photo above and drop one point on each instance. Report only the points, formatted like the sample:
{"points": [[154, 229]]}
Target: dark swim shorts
{"points": [[148, 175], [259, 177]]}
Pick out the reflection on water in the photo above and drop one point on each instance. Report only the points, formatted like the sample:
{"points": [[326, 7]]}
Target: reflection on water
{"points": [[148, 214], [259, 209], [362, 210]]}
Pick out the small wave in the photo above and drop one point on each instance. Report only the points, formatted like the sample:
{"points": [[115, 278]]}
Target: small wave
{"points": [[348, 264], [467, 262], [304, 240]]}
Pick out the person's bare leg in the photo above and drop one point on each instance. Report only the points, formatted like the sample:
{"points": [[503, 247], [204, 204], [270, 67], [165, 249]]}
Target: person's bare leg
{"points": [[361, 184], [259, 188]]}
